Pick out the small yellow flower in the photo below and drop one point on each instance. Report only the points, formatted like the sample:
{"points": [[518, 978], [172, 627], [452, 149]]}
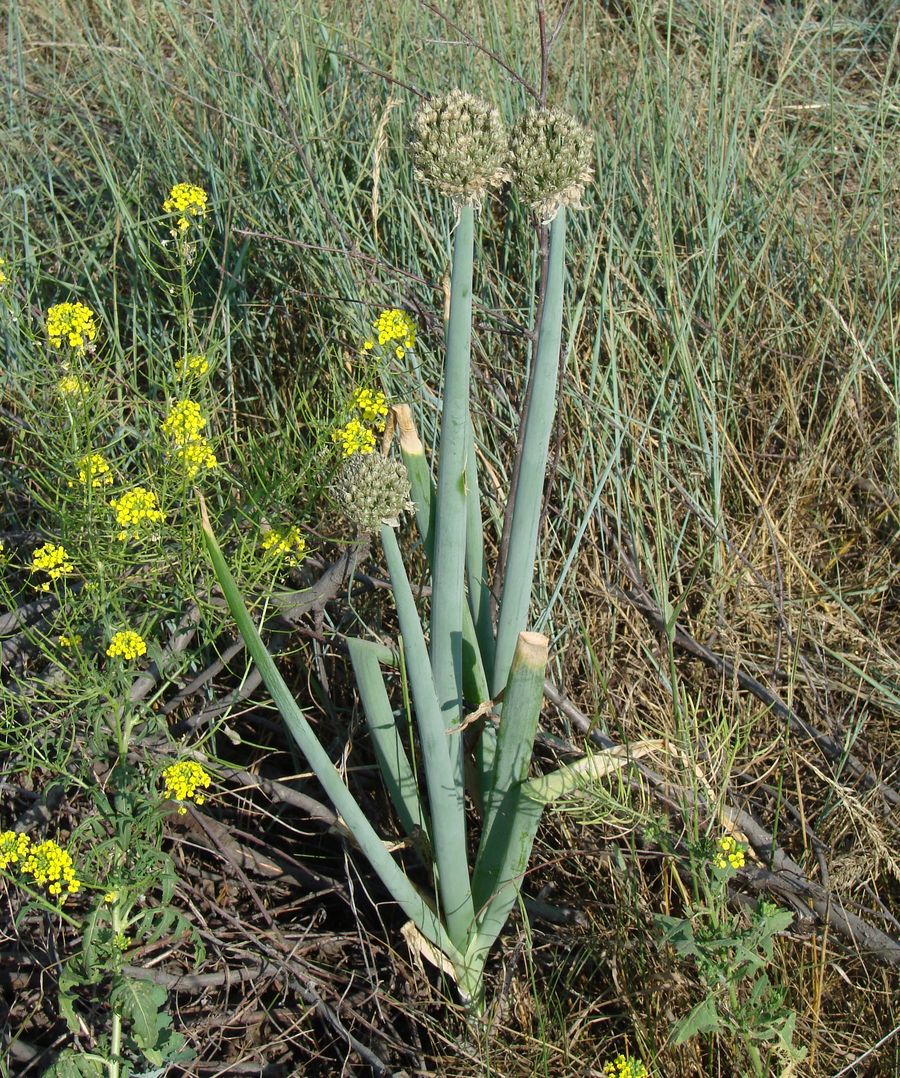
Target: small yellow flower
{"points": [[3, 277], [193, 366], [730, 854], [70, 640], [189, 201], [93, 472], [285, 542], [126, 644], [13, 848], [110, 897], [51, 867], [354, 438], [183, 781], [625, 1067], [371, 405], [185, 423], [72, 324], [52, 560], [394, 325], [136, 512]]}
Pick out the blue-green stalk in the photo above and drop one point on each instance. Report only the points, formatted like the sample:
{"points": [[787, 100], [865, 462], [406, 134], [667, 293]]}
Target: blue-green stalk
{"points": [[391, 875], [517, 584], [446, 795], [449, 565]]}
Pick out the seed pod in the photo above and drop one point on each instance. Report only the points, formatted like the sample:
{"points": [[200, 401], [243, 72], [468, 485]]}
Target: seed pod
{"points": [[373, 490], [550, 160], [459, 146]]}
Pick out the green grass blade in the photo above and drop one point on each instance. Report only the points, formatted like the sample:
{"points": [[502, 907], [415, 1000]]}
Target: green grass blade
{"points": [[517, 583]]}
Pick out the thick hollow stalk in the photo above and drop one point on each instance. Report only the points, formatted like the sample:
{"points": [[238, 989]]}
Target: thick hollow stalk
{"points": [[478, 591], [449, 565], [475, 684], [389, 872], [389, 751], [503, 844], [519, 576], [446, 796]]}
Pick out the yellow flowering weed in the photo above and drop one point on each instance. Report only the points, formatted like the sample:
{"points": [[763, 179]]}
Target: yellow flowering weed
{"points": [[393, 325], [72, 324], [184, 781], [93, 472], [371, 405], [13, 848], [730, 854], [53, 560], [51, 866], [354, 438], [625, 1067], [126, 644], [190, 203], [137, 510], [285, 542]]}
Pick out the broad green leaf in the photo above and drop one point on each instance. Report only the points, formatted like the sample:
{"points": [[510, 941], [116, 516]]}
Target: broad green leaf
{"points": [[139, 1002], [704, 1018]]}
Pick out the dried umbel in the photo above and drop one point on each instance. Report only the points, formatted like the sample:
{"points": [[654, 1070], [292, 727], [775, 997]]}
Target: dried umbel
{"points": [[460, 146], [550, 160], [373, 490]]}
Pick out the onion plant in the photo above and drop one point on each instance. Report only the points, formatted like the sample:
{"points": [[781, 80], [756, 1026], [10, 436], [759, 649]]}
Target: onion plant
{"points": [[476, 687]]}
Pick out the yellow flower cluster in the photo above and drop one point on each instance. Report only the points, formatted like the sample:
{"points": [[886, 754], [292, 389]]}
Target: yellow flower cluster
{"points": [[51, 866], [730, 854], [93, 472], [52, 560], [72, 323], [187, 200], [186, 425], [126, 644], [625, 1067], [3, 277], [136, 512], [285, 542], [354, 438], [71, 386], [371, 405], [47, 862], [13, 848], [393, 325], [183, 781], [70, 640], [193, 366]]}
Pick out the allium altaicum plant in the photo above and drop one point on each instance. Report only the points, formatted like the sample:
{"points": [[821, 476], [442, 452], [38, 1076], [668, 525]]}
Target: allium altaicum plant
{"points": [[463, 668]]}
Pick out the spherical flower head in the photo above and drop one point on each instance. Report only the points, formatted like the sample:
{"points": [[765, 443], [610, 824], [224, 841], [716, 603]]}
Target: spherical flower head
{"points": [[285, 542], [184, 781], [71, 324], [126, 644], [189, 202], [185, 423], [373, 490], [93, 472], [729, 854], [51, 867], [194, 366], [550, 160], [459, 146], [53, 560], [354, 438], [625, 1067], [137, 511], [372, 406], [13, 848]]}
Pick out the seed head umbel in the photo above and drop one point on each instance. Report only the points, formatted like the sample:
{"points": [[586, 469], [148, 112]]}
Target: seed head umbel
{"points": [[550, 160], [373, 490], [459, 146]]}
